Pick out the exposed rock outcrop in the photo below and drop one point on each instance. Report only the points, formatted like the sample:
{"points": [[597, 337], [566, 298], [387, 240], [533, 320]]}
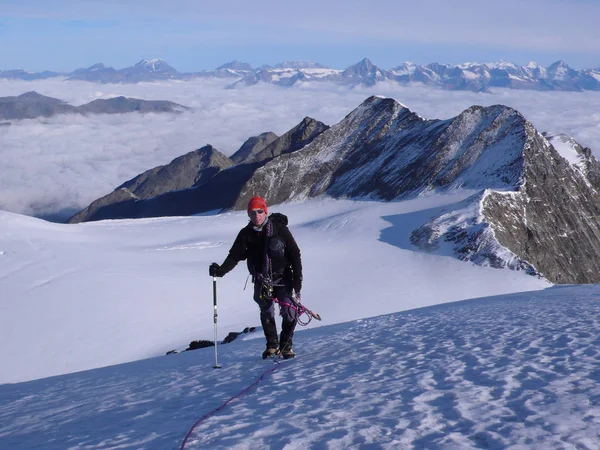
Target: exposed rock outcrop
{"points": [[553, 219], [203, 343], [185, 187], [536, 205], [252, 146], [184, 172], [382, 150], [538, 212]]}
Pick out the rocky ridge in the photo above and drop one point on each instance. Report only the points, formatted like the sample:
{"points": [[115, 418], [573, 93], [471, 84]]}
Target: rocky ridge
{"points": [[185, 187], [534, 208], [185, 172], [478, 77]]}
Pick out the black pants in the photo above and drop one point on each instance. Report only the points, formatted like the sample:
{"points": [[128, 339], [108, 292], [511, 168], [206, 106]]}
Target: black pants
{"points": [[267, 314]]}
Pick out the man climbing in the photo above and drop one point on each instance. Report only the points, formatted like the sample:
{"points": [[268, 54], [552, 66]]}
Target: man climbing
{"points": [[274, 262]]}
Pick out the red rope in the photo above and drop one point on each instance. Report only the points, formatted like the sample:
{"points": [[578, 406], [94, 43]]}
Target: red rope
{"points": [[216, 410]]}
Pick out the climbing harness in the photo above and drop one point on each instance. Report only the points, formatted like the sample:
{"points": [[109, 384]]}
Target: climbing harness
{"points": [[268, 284]]}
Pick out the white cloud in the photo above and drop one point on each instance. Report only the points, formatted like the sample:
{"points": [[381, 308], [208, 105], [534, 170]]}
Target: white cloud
{"points": [[62, 164]]}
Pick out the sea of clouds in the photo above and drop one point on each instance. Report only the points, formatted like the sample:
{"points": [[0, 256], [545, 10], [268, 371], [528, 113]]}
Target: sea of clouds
{"points": [[53, 167]]}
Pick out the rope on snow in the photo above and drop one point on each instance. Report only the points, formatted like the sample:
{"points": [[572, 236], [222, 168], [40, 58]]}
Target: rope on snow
{"points": [[216, 410]]}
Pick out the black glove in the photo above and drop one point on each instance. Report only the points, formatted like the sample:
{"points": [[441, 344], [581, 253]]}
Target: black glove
{"points": [[215, 270]]}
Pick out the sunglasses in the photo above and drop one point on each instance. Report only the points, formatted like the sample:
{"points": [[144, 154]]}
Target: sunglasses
{"points": [[257, 211]]}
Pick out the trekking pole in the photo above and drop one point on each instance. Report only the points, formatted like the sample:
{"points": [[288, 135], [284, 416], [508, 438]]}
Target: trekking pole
{"points": [[216, 366]]}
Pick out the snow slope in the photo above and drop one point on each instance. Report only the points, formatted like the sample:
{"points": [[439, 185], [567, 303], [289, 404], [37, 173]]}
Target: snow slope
{"points": [[77, 297], [515, 371]]}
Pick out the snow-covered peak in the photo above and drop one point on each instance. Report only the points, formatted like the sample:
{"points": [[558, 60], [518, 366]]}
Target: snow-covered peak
{"points": [[365, 71], [557, 64], [406, 67], [373, 109], [560, 71], [464, 233], [154, 65], [366, 63], [568, 148]]}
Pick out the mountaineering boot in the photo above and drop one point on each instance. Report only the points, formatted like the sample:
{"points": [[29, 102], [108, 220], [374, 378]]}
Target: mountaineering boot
{"points": [[285, 341], [288, 351], [270, 352]]}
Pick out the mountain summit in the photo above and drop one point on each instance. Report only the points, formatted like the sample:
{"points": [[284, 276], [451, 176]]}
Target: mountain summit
{"points": [[531, 208], [364, 72], [478, 77]]}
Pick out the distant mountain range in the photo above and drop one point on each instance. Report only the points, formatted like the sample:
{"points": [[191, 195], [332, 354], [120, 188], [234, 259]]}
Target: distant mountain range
{"points": [[535, 206], [31, 105], [469, 76]]}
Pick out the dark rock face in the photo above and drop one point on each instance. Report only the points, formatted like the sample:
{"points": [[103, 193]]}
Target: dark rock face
{"points": [[383, 150], [539, 213], [233, 335], [184, 172], [364, 72], [203, 343], [224, 189], [552, 220], [471, 236], [267, 146], [192, 169], [188, 186], [195, 345], [252, 146], [580, 157], [299, 136], [535, 209], [98, 209]]}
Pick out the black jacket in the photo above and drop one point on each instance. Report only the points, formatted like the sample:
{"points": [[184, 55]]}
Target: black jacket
{"points": [[286, 263]]}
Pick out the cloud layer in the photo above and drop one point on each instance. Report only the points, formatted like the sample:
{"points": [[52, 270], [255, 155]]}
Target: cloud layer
{"points": [[54, 167]]}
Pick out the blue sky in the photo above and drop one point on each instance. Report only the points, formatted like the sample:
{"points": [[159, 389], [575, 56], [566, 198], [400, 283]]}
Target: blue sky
{"points": [[193, 35]]}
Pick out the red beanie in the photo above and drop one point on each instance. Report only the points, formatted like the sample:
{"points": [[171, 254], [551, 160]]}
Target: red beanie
{"points": [[257, 203]]}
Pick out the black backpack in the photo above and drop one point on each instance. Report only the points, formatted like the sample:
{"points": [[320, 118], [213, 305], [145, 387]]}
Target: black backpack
{"points": [[279, 219]]}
